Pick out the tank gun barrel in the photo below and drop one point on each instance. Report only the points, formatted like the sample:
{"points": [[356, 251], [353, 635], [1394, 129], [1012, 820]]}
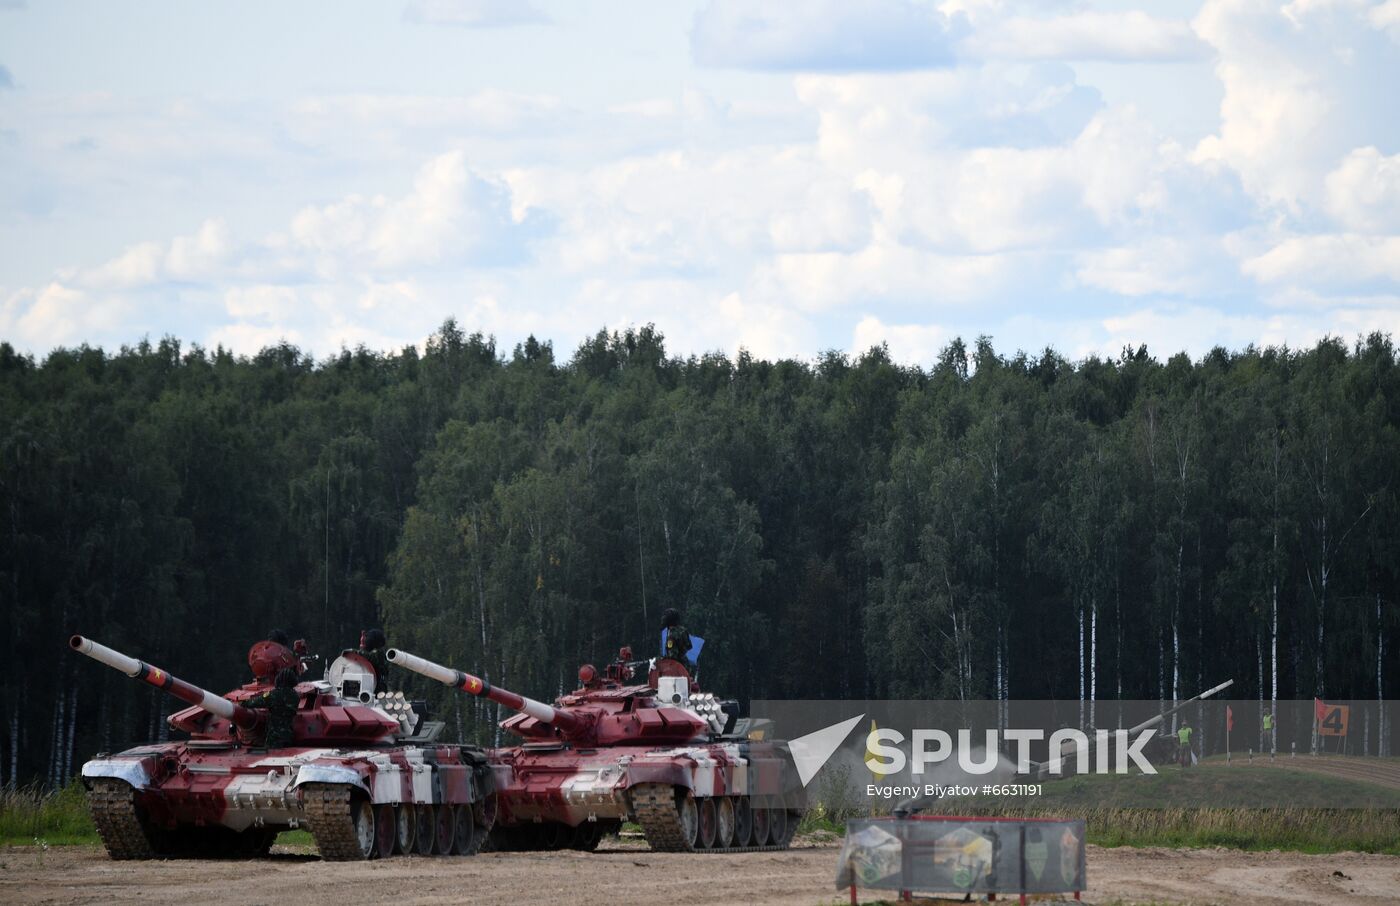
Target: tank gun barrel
{"points": [[243, 718], [546, 714], [1151, 722]]}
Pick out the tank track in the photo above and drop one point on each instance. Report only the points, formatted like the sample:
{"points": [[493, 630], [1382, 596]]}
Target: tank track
{"points": [[654, 807], [113, 807], [328, 810]]}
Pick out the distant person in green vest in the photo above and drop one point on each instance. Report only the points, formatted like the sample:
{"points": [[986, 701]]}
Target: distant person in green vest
{"points": [[1268, 722], [1183, 737]]}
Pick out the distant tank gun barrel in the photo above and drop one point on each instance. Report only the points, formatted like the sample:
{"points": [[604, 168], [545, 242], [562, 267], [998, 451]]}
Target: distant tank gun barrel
{"points": [[1153, 721], [566, 722], [243, 718]]}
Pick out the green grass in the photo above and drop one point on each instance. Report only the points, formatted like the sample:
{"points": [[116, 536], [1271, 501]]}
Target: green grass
{"points": [[32, 817], [1218, 786], [1209, 807], [29, 816]]}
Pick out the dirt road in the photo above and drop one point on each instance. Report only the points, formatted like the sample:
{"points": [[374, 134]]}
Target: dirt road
{"points": [[1381, 771], [635, 876]]}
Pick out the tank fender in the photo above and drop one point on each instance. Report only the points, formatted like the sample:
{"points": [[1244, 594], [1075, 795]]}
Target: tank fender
{"points": [[667, 772], [329, 773], [132, 772]]}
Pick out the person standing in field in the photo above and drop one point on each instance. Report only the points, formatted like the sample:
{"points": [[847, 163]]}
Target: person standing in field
{"points": [[1183, 737]]}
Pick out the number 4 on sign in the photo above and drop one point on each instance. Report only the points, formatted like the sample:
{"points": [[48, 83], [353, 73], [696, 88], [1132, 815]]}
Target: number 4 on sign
{"points": [[1335, 719]]}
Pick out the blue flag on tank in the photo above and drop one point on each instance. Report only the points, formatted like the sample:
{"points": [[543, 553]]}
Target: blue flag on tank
{"points": [[696, 643]]}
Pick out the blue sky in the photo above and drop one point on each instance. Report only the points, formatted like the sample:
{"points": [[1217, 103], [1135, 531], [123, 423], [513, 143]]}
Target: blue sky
{"points": [[781, 177]]}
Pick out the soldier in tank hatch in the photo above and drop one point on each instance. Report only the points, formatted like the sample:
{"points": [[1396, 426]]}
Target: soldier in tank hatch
{"points": [[675, 640], [280, 702], [371, 648]]}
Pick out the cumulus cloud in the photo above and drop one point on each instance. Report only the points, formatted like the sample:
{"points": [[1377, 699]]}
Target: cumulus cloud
{"points": [[1333, 260], [452, 217], [1363, 193], [197, 257], [1126, 36], [889, 196], [913, 344], [1302, 91], [1158, 266], [339, 272], [1196, 328], [59, 315], [822, 36], [473, 13]]}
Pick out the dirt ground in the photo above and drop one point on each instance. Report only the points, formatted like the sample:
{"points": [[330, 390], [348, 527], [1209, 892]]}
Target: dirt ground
{"points": [[1381, 771], [621, 876]]}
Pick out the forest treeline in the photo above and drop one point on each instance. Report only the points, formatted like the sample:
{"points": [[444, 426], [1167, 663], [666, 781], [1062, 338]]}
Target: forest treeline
{"points": [[987, 526]]}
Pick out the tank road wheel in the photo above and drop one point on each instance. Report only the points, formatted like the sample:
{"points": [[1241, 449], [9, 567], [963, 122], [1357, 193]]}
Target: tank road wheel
{"points": [[743, 820], [553, 835], [385, 830], [362, 817], [424, 829], [342, 821], [445, 827], [760, 828], [708, 828], [255, 842], [794, 818], [465, 838], [724, 815], [119, 822], [484, 814], [403, 828], [690, 818], [667, 814], [586, 836], [777, 826]]}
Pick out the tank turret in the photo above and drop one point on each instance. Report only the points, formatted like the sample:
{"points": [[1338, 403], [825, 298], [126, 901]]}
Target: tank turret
{"points": [[241, 717], [606, 710]]}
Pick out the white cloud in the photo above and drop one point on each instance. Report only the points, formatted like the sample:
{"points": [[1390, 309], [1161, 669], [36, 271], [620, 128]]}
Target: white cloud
{"points": [[1126, 36], [201, 256], [1302, 90], [1195, 329], [260, 301], [1333, 260], [1363, 193], [451, 216], [913, 344], [59, 315], [473, 13], [821, 36], [1010, 194], [1155, 267]]}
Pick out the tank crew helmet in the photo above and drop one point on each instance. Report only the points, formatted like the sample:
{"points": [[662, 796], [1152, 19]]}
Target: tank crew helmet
{"points": [[286, 678], [373, 639], [671, 617]]}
